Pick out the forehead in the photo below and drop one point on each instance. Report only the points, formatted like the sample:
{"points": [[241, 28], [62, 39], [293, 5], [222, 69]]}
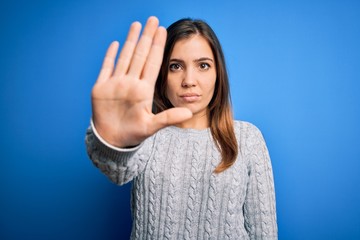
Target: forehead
{"points": [[196, 46]]}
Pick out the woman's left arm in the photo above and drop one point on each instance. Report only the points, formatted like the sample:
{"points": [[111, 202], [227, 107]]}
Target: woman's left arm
{"points": [[259, 206]]}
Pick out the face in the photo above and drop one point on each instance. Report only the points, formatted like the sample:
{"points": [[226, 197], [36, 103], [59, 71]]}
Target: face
{"points": [[191, 75]]}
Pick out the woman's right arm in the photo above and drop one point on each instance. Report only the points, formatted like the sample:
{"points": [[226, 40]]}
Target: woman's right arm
{"points": [[123, 93], [122, 104], [119, 165]]}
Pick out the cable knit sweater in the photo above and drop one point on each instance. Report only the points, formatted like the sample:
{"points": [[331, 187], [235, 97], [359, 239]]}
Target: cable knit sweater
{"points": [[176, 195]]}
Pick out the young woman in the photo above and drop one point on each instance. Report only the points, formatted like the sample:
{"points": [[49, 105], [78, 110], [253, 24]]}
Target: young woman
{"points": [[162, 119]]}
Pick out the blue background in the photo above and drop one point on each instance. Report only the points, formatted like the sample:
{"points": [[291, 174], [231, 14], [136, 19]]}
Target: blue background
{"points": [[294, 70]]}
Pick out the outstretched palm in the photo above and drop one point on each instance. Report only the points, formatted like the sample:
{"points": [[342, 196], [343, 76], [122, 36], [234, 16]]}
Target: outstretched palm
{"points": [[123, 94]]}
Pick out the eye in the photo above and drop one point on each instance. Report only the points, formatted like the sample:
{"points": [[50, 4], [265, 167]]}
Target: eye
{"points": [[204, 66], [175, 67]]}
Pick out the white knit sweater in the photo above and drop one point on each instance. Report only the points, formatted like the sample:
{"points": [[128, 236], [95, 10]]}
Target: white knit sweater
{"points": [[176, 195]]}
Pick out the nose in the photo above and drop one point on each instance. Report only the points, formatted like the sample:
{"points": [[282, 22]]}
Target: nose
{"points": [[189, 79]]}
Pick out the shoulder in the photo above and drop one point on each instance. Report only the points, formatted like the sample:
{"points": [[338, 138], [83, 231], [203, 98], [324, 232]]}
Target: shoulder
{"points": [[249, 137], [245, 129]]}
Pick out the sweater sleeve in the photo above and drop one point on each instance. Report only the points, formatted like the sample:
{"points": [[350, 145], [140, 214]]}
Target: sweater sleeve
{"points": [[259, 206], [120, 165]]}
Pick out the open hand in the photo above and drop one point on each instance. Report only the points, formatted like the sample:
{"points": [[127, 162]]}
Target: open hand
{"points": [[123, 94]]}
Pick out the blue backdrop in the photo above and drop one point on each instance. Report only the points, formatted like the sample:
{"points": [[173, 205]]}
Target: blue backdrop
{"points": [[294, 70]]}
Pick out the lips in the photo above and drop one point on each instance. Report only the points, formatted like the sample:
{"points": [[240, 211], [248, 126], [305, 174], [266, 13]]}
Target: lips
{"points": [[190, 97]]}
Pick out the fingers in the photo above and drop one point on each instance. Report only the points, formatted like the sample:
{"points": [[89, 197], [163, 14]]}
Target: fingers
{"points": [[154, 60], [128, 49], [143, 47], [108, 63], [139, 58], [170, 117]]}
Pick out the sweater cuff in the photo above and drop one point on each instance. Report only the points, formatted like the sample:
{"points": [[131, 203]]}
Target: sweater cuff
{"points": [[108, 145]]}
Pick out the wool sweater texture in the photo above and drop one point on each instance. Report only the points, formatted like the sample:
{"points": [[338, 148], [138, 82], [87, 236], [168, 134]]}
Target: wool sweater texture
{"points": [[176, 194]]}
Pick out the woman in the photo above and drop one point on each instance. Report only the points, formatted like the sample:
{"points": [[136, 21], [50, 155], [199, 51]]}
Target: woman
{"points": [[196, 173]]}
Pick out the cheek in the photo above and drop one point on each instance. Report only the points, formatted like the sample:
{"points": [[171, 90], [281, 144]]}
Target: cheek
{"points": [[170, 92], [211, 86], [170, 85], [211, 91]]}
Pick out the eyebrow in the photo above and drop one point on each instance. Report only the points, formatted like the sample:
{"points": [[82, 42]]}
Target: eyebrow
{"points": [[196, 60]]}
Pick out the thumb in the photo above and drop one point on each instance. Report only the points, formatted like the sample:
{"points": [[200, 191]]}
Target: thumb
{"points": [[170, 117]]}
